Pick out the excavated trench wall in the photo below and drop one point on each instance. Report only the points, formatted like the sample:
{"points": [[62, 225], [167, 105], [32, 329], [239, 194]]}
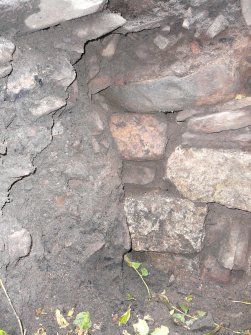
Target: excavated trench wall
{"points": [[119, 135]]}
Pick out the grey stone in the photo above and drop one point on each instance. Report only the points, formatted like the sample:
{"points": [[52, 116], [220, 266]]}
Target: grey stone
{"points": [[234, 247], [158, 222], [208, 175], [220, 23], [161, 42], [47, 105], [141, 23], [7, 49], [246, 11], [238, 139], [137, 174], [5, 70], [98, 25], [216, 122], [203, 324], [66, 10], [172, 93], [19, 244], [23, 79]]}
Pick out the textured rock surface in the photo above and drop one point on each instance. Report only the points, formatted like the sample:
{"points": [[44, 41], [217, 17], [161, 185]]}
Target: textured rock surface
{"points": [[137, 174], [227, 120], [66, 10], [235, 246], [246, 11], [207, 175], [139, 137], [206, 86], [158, 222]]}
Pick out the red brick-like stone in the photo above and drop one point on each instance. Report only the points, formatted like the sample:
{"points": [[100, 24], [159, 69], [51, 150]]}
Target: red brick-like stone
{"points": [[139, 136]]}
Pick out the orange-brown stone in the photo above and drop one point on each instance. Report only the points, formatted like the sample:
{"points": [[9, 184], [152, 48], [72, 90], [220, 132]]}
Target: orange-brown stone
{"points": [[139, 136]]}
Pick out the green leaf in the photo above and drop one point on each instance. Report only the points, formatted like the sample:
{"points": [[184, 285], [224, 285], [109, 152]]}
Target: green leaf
{"points": [[144, 272], [83, 320], [179, 318], [189, 298], [199, 314], [130, 296], [162, 330], [141, 327], [2, 332], [125, 317], [184, 308], [136, 265]]}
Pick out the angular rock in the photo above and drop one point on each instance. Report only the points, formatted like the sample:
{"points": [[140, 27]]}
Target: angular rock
{"points": [[7, 49], [216, 122], [220, 23], [141, 23], [47, 105], [111, 45], [19, 244], [158, 222], [137, 174], [21, 80], [5, 70], [207, 86], [161, 41], [234, 247], [139, 136], [208, 175], [238, 139], [203, 324], [246, 11], [66, 10], [12, 169], [213, 271], [98, 25]]}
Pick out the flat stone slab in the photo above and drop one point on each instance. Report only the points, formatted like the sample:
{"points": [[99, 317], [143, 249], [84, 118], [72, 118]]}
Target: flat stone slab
{"points": [[53, 12], [158, 222], [209, 85], [216, 122], [208, 175], [139, 136]]}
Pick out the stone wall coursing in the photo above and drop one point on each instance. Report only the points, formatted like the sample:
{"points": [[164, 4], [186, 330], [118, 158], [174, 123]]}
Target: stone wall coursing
{"points": [[198, 75]]}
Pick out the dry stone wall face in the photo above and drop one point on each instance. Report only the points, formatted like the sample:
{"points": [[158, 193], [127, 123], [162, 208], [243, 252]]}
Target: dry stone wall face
{"points": [[140, 138], [202, 82]]}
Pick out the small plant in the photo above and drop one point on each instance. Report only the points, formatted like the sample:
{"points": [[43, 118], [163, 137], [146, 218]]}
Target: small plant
{"points": [[2, 332], [83, 323], [141, 271]]}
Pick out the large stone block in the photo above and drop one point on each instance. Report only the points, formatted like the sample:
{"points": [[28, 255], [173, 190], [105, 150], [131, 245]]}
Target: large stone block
{"points": [[216, 122], [208, 175], [53, 12], [158, 222], [139, 136], [209, 85]]}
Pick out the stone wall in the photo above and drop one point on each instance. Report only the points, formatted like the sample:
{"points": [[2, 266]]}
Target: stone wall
{"points": [[182, 129]]}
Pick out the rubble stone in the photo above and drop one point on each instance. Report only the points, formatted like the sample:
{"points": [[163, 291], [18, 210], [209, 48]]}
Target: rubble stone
{"points": [[216, 122], [208, 175], [137, 174], [158, 222], [65, 11], [47, 105], [139, 136], [207, 86], [19, 244], [7, 49]]}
